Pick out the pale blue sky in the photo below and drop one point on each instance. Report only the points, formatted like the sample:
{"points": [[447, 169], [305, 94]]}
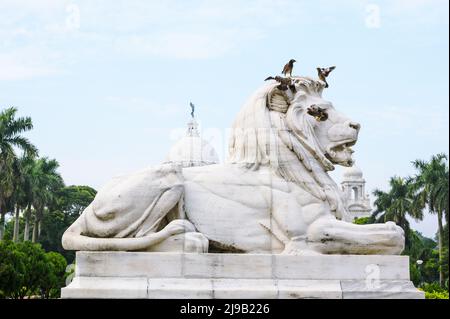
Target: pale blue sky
{"points": [[108, 83]]}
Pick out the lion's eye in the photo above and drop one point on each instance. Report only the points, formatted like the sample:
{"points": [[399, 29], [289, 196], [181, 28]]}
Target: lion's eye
{"points": [[318, 113]]}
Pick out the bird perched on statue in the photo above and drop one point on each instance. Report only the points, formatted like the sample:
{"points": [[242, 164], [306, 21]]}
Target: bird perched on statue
{"points": [[288, 67], [318, 113], [285, 83], [324, 72]]}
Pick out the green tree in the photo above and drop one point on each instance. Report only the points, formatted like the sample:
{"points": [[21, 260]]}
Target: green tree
{"points": [[8, 175], [36, 268], [430, 185], [26, 270], [70, 203], [12, 270], [422, 248], [11, 130], [23, 194], [74, 199], [46, 184], [363, 220], [395, 205], [53, 281]]}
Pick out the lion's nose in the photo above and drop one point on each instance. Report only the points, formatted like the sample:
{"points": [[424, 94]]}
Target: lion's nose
{"points": [[355, 126]]}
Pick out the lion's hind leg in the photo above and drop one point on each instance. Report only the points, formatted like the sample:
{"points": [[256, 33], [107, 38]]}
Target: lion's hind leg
{"points": [[181, 236]]}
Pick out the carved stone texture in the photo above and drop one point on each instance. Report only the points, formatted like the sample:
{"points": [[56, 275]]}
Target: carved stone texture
{"points": [[256, 276], [273, 195]]}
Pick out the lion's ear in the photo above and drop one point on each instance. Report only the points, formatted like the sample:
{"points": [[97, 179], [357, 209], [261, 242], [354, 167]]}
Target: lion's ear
{"points": [[278, 100]]}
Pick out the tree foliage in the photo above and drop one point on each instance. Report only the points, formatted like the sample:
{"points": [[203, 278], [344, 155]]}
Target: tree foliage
{"points": [[33, 191], [11, 138], [427, 189], [396, 204], [69, 204], [430, 188], [363, 220], [434, 291], [12, 270], [26, 270]]}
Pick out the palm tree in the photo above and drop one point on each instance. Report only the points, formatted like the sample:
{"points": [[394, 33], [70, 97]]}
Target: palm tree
{"points": [[27, 216], [396, 204], [6, 187], [46, 183], [24, 194], [431, 190], [9, 174], [11, 129]]}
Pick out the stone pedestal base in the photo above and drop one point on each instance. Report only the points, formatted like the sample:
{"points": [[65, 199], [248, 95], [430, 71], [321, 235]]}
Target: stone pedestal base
{"points": [[180, 276]]}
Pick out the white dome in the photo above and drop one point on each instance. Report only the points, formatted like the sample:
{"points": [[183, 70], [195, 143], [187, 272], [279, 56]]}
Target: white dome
{"points": [[191, 150], [353, 173]]}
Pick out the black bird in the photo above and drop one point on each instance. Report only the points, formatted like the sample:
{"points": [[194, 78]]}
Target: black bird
{"points": [[288, 67], [285, 83], [318, 113], [324, 72]]}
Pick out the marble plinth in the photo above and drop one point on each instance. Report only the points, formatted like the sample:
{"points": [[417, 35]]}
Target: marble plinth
{"points": [[259, 276]]}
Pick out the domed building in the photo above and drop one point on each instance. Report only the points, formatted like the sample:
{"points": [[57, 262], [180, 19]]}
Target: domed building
{"points": [[353, 186], [192, 150]]}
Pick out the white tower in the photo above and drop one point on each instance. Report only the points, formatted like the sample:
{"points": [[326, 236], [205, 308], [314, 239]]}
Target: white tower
{"points": [[353, 186], [192, 150]]}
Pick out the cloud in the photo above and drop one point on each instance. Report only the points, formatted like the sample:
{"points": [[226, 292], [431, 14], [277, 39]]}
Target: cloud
{"points": [[30, 14], [32, 5], [417, 5], [30, 33], [191, 29], [173, 29], [405, 119], [25, 64], [181, 29], [417, 12], [412, 13], [144, 106], [185, 44]]}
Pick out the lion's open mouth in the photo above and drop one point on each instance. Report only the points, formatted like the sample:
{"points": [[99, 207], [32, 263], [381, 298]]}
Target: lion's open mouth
{"points": [[343, 146], [341, 153]]}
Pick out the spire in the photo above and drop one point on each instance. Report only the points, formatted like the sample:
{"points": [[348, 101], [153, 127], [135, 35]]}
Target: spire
{"points": [[192, 128], [191, 150], [192, 124]]}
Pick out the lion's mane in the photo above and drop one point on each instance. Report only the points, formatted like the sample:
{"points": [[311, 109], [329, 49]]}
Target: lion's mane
{"points": [[273, 129]]}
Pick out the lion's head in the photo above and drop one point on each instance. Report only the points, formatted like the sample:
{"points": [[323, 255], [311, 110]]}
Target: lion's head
{"points": [[298, 133]]}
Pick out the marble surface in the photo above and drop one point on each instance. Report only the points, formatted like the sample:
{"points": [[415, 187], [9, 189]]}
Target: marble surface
{"points": [[273, 195], [173, 275]]}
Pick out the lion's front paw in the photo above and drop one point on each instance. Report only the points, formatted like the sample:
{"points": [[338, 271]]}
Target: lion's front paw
{"points": [[196, 243], [391, 226], [300, 252], [298, 246], [179, 226]]}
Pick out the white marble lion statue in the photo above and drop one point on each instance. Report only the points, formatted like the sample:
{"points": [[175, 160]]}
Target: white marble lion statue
{"points": [[273, 194]]}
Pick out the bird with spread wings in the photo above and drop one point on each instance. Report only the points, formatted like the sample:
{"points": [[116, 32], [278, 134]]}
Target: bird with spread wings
{"points": [[324, 73]]}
